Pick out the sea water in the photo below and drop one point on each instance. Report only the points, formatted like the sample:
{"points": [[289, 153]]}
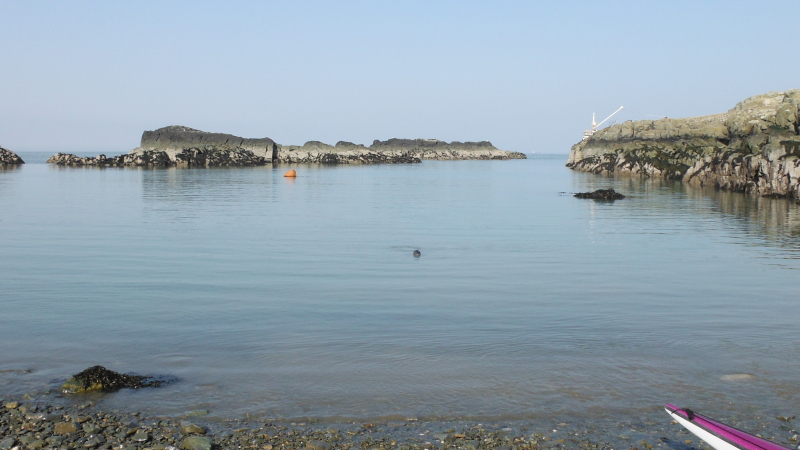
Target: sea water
{"points": [[301, 297]]}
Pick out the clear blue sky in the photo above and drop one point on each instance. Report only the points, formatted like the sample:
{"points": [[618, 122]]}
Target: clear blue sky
{"points": [[91, 76]]}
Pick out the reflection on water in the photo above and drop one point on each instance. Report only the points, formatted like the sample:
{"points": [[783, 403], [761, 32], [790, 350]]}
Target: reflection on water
{"points": [[764, 221], [290, 298], [772, 222]]}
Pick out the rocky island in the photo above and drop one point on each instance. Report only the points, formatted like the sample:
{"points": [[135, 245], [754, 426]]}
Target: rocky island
{"points": [[181, 146], [754, 147], [9, 158]]}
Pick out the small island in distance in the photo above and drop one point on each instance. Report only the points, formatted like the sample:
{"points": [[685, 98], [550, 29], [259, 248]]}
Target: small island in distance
{"points": [[180, 146]]}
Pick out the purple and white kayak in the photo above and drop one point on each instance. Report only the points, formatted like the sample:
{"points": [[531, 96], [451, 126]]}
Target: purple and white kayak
{"points": [[719, 435]]}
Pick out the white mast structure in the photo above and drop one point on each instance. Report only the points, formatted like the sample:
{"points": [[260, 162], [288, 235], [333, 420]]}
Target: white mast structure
{"points": [[588, 133]]}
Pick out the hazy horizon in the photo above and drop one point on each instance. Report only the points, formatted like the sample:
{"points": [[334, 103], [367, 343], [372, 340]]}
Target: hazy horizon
{"points": [[92, 76]]}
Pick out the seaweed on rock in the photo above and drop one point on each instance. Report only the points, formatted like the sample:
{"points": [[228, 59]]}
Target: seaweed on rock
{"points": [[98, 378], [601, 194]]}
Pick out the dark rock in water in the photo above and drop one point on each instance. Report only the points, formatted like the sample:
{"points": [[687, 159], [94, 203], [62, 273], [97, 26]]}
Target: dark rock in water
{"points": [[417, 254], [7, 157], [98, 378], [601, 194]]}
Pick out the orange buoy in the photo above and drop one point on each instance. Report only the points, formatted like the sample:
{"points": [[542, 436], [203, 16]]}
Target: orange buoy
{"points": [[290, 173]]}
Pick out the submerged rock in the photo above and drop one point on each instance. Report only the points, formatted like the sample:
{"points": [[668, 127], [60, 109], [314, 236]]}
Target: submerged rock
{"points": [[601, 194], [737, 377], [98, 378], [190, 428]]}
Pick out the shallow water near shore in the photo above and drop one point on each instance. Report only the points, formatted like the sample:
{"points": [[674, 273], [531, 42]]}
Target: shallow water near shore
{"points": [[289, 298]]}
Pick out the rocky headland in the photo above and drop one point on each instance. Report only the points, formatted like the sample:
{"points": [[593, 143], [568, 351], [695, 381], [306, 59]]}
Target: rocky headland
{"points": [[754, 147], [181, 146], [9, 158]]}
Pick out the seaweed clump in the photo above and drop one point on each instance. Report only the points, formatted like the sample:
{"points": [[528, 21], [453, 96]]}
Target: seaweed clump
{"points": [[98, 378], [601, 194]]}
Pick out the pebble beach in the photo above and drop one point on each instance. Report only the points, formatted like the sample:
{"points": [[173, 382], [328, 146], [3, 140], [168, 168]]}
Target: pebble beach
{"points": [[28, 423]]}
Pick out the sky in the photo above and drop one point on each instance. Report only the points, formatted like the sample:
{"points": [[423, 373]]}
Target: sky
{"points": [[91, 76]]}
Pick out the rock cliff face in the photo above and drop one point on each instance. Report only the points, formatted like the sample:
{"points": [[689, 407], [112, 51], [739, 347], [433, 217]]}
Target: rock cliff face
{"points": [[176, 139], [754, 147], [9, 158], [186, 147]]}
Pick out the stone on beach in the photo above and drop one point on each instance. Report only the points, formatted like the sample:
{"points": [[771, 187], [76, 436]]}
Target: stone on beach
{"points": [[190, 428], [196, 443], [64, 428]]}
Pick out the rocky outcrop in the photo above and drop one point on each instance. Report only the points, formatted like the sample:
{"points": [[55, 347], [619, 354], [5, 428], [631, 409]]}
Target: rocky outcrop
{"points": [[9, 158], [754, 147], [186, 147], [436, 149], [176, 139], [342, 153], [391, 151], [190, 157]]}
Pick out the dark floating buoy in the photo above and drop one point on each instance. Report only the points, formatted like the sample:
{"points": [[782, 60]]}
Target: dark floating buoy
{"points": [[417, 254]]}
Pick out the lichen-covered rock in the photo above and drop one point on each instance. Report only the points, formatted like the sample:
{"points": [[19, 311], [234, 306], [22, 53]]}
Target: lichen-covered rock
{"points": [[9, 158], [754, 147]]}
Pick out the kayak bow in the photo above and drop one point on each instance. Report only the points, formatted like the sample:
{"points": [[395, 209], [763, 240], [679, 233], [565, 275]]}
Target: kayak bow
{"points": [[719, 435]]}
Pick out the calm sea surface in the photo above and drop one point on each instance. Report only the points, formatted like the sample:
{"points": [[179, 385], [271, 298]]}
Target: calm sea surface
{"points": [[301, 298]]}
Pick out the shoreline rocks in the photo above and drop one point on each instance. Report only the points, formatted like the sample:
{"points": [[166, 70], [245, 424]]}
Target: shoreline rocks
{"points": [[9, 158], [754, 147], [179, 146], [43, 425]]}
